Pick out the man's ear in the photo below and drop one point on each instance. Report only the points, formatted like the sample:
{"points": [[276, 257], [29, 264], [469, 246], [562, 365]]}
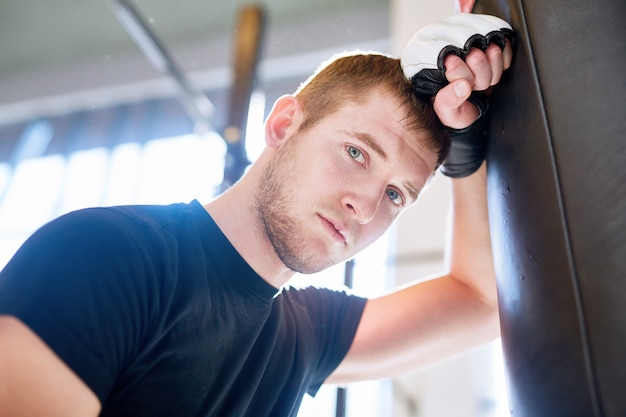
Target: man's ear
{"points": [[283, 121]]}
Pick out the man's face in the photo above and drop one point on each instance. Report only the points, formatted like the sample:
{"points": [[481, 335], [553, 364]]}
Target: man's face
{"points": [[335, 188]]}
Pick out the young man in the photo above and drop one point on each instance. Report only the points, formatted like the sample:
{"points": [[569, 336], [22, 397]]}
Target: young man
{"points": [[177, 310]]}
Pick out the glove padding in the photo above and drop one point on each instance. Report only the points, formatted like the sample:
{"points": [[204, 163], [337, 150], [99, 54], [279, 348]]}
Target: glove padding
{"points": [[468, 146], [423, 56], [422, 63]]}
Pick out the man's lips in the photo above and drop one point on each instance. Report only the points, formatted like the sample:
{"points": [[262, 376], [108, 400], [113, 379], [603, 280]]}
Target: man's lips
{"points": [[335, 229]]}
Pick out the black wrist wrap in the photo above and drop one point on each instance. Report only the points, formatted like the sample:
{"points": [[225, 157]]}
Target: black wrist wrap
{"points": [[468, 146]]}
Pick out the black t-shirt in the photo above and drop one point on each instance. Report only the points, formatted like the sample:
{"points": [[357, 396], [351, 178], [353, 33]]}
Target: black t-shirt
{"points": [[156, 311]]}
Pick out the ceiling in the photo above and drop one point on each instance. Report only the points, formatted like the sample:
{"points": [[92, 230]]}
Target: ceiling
{"points": [[41, 32], [43, 43]]}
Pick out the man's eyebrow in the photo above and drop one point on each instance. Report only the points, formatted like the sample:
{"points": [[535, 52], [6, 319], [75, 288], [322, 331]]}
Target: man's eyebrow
{"points": [[371, 142], [413, 193]]}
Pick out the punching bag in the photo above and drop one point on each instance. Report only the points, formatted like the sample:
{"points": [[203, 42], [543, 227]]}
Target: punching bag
{"points": [[557, 203]]}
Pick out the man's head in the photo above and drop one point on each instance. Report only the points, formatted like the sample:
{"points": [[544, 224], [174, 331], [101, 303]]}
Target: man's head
{"points": [[346, 155], [347, 78]]}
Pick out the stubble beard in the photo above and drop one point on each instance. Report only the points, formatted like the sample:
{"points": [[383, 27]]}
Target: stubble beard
{"points": [[283, 230]]}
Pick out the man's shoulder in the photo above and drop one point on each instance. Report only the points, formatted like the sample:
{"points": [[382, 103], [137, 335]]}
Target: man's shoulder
{"points": [[125, 219], [141, 214], [102, 232]]}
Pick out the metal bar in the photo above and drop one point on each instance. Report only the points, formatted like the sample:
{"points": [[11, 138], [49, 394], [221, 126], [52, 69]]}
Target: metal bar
{"points": [[196, 104], [340, 407]]}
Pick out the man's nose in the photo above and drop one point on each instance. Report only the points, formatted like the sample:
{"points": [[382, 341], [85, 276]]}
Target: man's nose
{"points": [[363, 205]]}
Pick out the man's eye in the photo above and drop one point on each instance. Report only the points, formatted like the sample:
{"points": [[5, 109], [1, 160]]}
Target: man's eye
{"points": [[355, 153], [394, 196]]}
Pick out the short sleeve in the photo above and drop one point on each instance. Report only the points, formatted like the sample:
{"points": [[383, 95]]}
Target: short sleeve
{"points": [[334, 317], [81, 283]]}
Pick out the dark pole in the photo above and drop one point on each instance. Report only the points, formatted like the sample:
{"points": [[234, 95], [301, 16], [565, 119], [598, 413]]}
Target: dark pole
{"points": [[248, 36], [340, 407]]}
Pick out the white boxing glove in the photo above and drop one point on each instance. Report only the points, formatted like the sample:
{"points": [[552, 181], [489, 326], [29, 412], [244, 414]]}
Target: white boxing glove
{"points": [[422, 63], [423, 56]]}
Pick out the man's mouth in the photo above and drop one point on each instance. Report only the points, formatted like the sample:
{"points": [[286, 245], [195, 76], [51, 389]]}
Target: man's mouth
{"points": [[336, 230]]}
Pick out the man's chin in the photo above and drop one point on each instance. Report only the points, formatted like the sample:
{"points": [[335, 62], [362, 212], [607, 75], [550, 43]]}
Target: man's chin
{"points": [[310, 265]]}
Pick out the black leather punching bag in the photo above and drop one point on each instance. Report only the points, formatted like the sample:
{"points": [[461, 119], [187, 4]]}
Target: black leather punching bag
{"points": [[557, 201]]}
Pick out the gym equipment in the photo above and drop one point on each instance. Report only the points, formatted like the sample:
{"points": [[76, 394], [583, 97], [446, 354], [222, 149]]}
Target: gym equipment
{"points": [[557, 202]]}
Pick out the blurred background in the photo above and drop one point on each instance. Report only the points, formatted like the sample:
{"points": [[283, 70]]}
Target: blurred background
{"points": [[86, 119]]}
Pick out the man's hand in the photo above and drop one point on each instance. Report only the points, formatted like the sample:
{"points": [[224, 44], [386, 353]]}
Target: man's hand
{"points": [[478, 72], [449, 60]]}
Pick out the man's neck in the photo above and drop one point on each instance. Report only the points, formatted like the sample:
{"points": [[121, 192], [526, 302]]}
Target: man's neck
{"points": [[235, 213]]}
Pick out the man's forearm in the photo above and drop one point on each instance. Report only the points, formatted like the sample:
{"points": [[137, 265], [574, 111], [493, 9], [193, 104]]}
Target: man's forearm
{"points": [[470, 256]]}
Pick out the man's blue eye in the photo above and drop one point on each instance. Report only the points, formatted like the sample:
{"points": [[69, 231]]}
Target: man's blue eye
{"points": [[355, 153], [394, 196]]}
